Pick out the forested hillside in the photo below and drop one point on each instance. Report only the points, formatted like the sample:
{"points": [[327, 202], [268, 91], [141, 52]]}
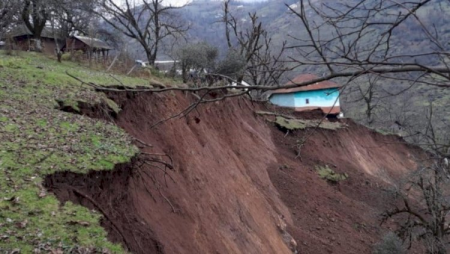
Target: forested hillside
{"points": [[391, 104]]}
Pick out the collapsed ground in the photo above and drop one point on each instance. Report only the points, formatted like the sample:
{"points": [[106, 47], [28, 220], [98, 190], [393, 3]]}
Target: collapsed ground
{"points": [[240, 182]]}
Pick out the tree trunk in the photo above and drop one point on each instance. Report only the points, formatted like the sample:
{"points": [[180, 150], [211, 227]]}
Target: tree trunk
{"points": [[184, 74], [240, 78], [151, 58], [37, 44], [59, 56], [149, 55]]}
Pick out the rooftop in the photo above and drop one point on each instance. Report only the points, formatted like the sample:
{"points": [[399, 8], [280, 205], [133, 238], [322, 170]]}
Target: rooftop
{"points": [[22, 30], [93, 42], [304, 78]]}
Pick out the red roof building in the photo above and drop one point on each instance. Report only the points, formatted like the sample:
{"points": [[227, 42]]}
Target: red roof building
{"points": [[321, 95]]}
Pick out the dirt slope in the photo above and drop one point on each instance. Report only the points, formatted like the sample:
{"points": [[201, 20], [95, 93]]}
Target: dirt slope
{"points": [[341, 218], [236, 183]]}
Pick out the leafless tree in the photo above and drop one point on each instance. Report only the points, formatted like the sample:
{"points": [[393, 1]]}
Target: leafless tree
{"points": [[367, 92], [263, 66], [346, 51], [8, 15], [395, 42], [35, 14], [431, 134], [73, 16], [64, 16], [338, 38], [425, 209], [67, 17], [149, 22], [353, 38], [197, 56]]}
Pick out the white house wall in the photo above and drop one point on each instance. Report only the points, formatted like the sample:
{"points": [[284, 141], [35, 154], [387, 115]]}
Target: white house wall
{"points": [[318, 98], [283, 100], [324, 98]]}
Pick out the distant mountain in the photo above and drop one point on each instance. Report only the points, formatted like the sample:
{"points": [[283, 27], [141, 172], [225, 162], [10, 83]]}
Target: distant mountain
{"points": [[408, 39], [205, 16], [410, 107]]}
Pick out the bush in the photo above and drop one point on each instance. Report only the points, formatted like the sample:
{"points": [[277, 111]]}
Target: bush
{"points": [[198, 56], [66, 57], [233, 65], [390, 244], [195, 59]]}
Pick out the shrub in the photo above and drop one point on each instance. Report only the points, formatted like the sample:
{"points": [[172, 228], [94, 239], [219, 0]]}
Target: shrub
{"points": [[155, 72], [390, 244], [66, 57], [233, 65]]}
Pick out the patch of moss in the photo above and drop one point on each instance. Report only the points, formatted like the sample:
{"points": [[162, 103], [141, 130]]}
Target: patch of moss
{"points": [[68, 103], [301, 124], [112, 105], [328, 174], [385, 132]]}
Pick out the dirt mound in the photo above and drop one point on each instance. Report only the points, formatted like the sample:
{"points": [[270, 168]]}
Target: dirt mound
{"points": [[236, 185]]}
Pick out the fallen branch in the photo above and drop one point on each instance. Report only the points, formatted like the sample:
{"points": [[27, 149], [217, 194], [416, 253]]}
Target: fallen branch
{"points": [[168, 201], [183, 113], [402, 69], [142, 142]]}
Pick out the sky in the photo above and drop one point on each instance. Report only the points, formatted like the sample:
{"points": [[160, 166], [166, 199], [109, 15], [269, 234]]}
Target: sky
{"points": [[181, 2], [165, 2]]}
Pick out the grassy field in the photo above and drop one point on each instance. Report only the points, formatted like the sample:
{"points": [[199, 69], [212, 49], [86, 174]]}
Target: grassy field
{"points": [[37, 139]]}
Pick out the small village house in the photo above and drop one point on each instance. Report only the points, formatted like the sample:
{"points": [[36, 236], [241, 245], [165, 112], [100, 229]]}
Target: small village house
{"points": [[51, 41], [322, 95], [23, 40], [91, 46]]}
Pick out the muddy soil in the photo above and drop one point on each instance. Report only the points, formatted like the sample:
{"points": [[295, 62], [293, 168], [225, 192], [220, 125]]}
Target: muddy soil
{"points": [[237, 185], [342, 217]]}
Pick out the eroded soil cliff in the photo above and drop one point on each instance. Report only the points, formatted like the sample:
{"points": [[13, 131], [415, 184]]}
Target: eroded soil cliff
{"points": [[237, 184]]}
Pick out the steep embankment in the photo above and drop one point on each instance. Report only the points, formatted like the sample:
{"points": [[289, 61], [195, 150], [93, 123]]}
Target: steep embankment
{"points": [[236, 182]]}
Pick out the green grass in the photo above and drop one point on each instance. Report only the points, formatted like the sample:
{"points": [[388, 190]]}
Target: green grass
{"points": [[328, 174], [386, 132], [36, 139]]}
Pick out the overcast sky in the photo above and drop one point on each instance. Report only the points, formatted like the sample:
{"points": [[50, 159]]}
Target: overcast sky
{"points": [[165, 2]]}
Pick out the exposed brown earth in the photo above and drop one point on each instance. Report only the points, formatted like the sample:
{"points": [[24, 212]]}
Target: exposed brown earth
{"points": [[237, 186]]}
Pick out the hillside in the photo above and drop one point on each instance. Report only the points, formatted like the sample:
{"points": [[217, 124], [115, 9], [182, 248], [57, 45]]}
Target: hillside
{"points": [[205, 16], [225, 179], [37, 139], [392, 110]]}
